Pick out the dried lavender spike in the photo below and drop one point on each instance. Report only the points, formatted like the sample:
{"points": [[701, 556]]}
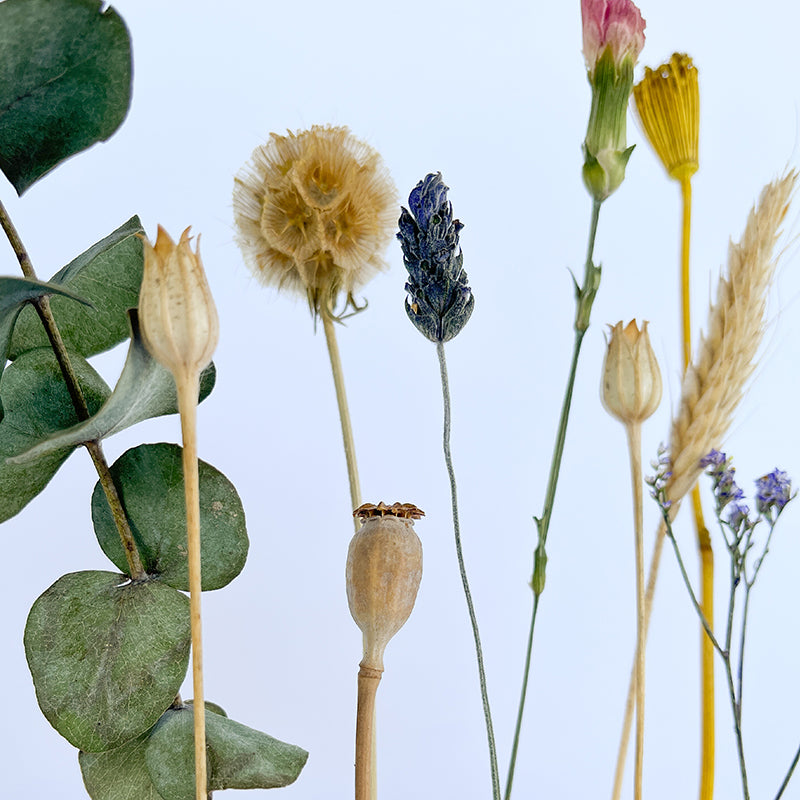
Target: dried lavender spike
{"points": [[440, 300]]}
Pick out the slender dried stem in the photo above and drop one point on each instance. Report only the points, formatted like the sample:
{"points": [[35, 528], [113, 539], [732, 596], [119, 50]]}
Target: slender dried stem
{"points": [[634, 431], [95, 448], [487, 713], [368, 680], [188, 390], [344, 414]]}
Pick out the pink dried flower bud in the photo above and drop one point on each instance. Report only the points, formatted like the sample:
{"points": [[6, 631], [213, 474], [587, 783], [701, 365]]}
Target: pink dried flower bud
{"points": [[176, 310], [617, 24], [631, 388]]}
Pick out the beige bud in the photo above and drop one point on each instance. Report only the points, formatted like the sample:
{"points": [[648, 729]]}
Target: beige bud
{"points": [[384, 569], [631, 388], [176, 310]]}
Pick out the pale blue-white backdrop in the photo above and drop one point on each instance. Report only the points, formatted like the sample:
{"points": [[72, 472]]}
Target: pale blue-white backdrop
{"points": [[495, 96]]}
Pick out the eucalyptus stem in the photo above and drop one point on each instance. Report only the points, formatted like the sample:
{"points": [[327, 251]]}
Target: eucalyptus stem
{"points": [[344, 413], [95, 448], [188, 389], [465, 583], [584, 299]]}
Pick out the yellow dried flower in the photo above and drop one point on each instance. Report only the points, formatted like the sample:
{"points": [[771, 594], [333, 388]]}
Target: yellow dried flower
{"points": [[667, 101], [314, 212], [178, 317], [631, 388]]}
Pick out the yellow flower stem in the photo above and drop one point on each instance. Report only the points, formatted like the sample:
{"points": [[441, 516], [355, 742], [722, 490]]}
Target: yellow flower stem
{"points": [[703, 539], [188, 390], [344, 414], [634, 432]]}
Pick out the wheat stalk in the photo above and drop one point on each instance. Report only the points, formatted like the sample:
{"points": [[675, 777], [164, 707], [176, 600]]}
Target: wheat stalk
{"points": [[715, 381], [725, 359]]}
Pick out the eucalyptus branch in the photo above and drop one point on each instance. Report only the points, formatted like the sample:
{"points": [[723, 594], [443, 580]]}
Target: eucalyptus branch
{"points": [[95, 448]]}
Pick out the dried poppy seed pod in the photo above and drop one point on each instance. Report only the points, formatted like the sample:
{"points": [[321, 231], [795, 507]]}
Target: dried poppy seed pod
{"points": [[631, 377], [384, 569], [176, 310]]}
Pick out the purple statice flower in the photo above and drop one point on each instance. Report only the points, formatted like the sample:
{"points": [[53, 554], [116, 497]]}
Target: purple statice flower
{"points": [[658, 482], [738, 515], [773, 490], [719, 467], [439, 299]]}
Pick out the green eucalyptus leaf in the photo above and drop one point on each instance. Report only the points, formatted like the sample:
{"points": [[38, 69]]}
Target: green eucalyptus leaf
{"points": [[118, 774], [36, 405], [121, 773], [149, 479], [238, 757], [108, 275], [65, 82], [144, 390], [107, 655], [14, 294]]}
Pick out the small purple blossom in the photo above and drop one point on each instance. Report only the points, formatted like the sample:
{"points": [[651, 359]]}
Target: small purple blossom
{"points": [[721, 470], [773, 490], [738, 515], [714, 458]]}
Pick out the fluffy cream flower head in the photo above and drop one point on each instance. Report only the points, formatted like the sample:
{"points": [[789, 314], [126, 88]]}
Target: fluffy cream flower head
{"points": [[314, 211]]}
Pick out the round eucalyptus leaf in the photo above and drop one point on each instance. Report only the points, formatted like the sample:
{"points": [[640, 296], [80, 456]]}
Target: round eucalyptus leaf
{"points": [[238, 757], [121, 773], [118, 774], [107, 655], [66, 82], [149, 479]]}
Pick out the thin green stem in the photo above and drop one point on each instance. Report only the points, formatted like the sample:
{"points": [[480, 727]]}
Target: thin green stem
{"points": [[737, 725], [584, 299], [464, 582], [521, 709], [95, 448], [697, 607], [789, 774], [344, 414]]}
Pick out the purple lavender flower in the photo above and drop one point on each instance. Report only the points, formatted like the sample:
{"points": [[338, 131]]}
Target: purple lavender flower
{"points": [[440, 301], [773, 490]]}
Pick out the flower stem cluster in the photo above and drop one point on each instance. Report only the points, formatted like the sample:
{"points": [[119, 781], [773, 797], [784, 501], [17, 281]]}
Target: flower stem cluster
{"points": [[440, 300]]}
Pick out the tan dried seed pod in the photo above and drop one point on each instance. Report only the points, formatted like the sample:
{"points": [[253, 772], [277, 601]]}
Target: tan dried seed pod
{"points": [[384, 569]]}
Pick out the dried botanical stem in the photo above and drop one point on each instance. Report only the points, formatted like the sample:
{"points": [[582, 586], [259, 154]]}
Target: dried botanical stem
{"points": [[188, 390], [95, 448], [368, 680], [344, 414], [705, 552], [715, 382], [634, 431]]}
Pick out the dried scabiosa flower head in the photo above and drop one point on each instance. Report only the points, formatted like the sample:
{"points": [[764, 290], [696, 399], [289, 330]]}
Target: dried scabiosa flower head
{"points": [[440, 301], [314, 212]]}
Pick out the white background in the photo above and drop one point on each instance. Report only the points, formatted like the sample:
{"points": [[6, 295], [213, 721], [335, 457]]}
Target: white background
{"points": [[495, 96]]}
